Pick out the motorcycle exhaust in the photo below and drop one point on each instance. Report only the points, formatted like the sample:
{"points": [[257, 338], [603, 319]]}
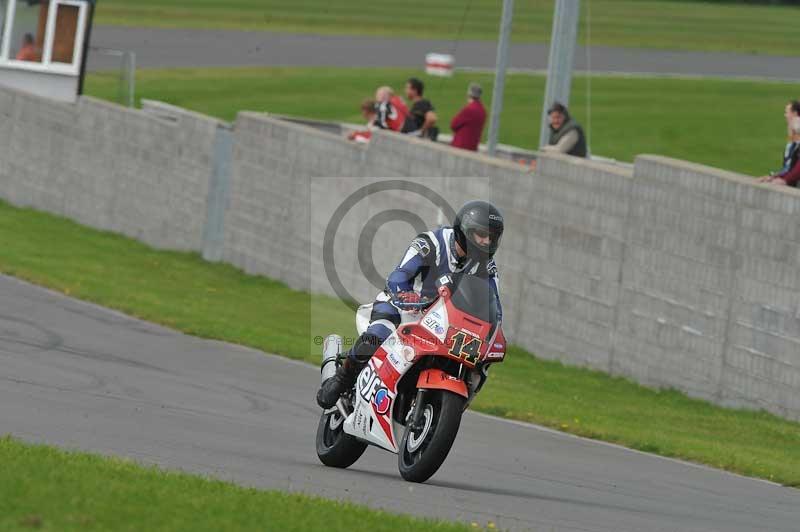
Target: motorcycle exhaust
{"points": [[331, 348]]}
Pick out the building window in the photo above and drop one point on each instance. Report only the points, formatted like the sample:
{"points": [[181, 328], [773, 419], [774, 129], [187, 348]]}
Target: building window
{"points": [[43, 35], [28, 31], [65, 34]]}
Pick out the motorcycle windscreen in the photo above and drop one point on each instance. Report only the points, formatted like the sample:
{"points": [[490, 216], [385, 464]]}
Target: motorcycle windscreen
{"points": [[475, 296]]}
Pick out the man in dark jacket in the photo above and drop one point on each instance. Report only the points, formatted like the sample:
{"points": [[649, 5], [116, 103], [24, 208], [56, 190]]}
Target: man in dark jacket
{"points": [[566, 135], [421, 119], [468, 124]]}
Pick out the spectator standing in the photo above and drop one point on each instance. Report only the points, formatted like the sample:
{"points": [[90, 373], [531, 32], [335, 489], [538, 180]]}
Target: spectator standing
{"points": [[790, 112], [392, 110], [27, 51], [790, 153], [566, 135], [468, 124], [790, 173], [421, 120]]}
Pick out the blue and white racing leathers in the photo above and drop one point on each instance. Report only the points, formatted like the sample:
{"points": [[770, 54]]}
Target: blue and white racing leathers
{"points": [[430, 255]]}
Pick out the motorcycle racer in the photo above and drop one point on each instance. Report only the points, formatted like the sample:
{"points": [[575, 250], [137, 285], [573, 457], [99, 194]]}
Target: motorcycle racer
{"points": [[468, 246]]}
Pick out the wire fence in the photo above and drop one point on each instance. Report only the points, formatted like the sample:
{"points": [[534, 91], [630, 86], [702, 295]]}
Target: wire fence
{"points": [[126, 92]]}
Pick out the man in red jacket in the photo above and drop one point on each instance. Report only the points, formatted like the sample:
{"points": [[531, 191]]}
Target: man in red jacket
{"points": [[467, 125]]}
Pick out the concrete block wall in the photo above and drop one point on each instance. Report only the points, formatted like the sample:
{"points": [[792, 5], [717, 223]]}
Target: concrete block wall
{"points": [[108, 167], [673, 274], [573, 253], [677, 278], [648, 273], [711, 300], [761, 361], [267, 219]]}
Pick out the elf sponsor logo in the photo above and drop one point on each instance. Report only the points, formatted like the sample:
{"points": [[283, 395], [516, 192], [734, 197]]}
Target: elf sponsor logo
{"points": [[433, 324], [368, 381], [381, 400], [372, 390]]}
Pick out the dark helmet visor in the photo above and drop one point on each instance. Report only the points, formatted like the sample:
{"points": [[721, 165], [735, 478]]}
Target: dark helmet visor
{"points": [[486, 239]]}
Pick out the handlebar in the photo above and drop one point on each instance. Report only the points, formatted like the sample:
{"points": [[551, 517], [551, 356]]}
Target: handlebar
{"points": [[420, 305]]}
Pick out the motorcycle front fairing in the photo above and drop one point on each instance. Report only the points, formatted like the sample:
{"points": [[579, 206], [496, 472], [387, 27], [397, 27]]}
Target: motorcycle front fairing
{"points": [[376, 386]]}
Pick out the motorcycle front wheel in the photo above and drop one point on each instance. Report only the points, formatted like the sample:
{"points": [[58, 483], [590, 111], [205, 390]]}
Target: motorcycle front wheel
{"points": [[422, 452], [336, 448]]}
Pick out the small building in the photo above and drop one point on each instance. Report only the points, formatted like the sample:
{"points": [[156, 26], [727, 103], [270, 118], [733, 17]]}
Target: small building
{"points": [[43, 46]]}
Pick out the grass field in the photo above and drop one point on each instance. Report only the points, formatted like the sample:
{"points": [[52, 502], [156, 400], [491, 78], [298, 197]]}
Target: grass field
{"points": [[48, 489], [683, 25], [218, 301], [735, 125]]}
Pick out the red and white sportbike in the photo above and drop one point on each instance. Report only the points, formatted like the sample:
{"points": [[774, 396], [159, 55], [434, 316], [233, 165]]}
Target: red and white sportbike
{"points": [[410, 397]]}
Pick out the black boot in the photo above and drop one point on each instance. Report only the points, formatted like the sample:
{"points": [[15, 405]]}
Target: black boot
{"points": [[344, 379]]}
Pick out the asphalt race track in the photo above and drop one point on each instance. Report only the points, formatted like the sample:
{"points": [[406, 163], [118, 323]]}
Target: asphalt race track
{"points": [[165, 48], [80, 376]]}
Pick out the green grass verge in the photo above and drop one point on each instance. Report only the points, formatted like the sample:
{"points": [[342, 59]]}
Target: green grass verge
{"points": [[49, 489], [736, 125], [218, 301], [684, 25]]}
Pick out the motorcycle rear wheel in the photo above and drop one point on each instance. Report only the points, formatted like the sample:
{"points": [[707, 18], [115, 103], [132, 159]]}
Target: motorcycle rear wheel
{"points": [[422, 453], [335, 448]]}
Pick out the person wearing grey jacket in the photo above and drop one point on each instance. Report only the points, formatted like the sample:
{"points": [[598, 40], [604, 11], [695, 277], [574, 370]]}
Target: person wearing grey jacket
{"points": [[566, 135]]}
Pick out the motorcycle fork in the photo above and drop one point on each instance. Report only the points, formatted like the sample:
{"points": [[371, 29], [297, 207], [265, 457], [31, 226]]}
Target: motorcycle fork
{"points": [[416, 413]]}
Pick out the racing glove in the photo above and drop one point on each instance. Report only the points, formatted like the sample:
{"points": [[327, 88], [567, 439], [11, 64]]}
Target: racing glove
{"points": [[406, 300]]}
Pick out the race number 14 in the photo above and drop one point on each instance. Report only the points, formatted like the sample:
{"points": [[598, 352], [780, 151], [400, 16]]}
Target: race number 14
{"points": [[465, 347]]}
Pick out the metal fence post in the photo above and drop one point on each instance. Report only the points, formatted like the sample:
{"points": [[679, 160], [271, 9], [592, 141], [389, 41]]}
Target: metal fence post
{"points": [[500, 66], [131, 79], [561, 60], [214, 230], [126, 90]]}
